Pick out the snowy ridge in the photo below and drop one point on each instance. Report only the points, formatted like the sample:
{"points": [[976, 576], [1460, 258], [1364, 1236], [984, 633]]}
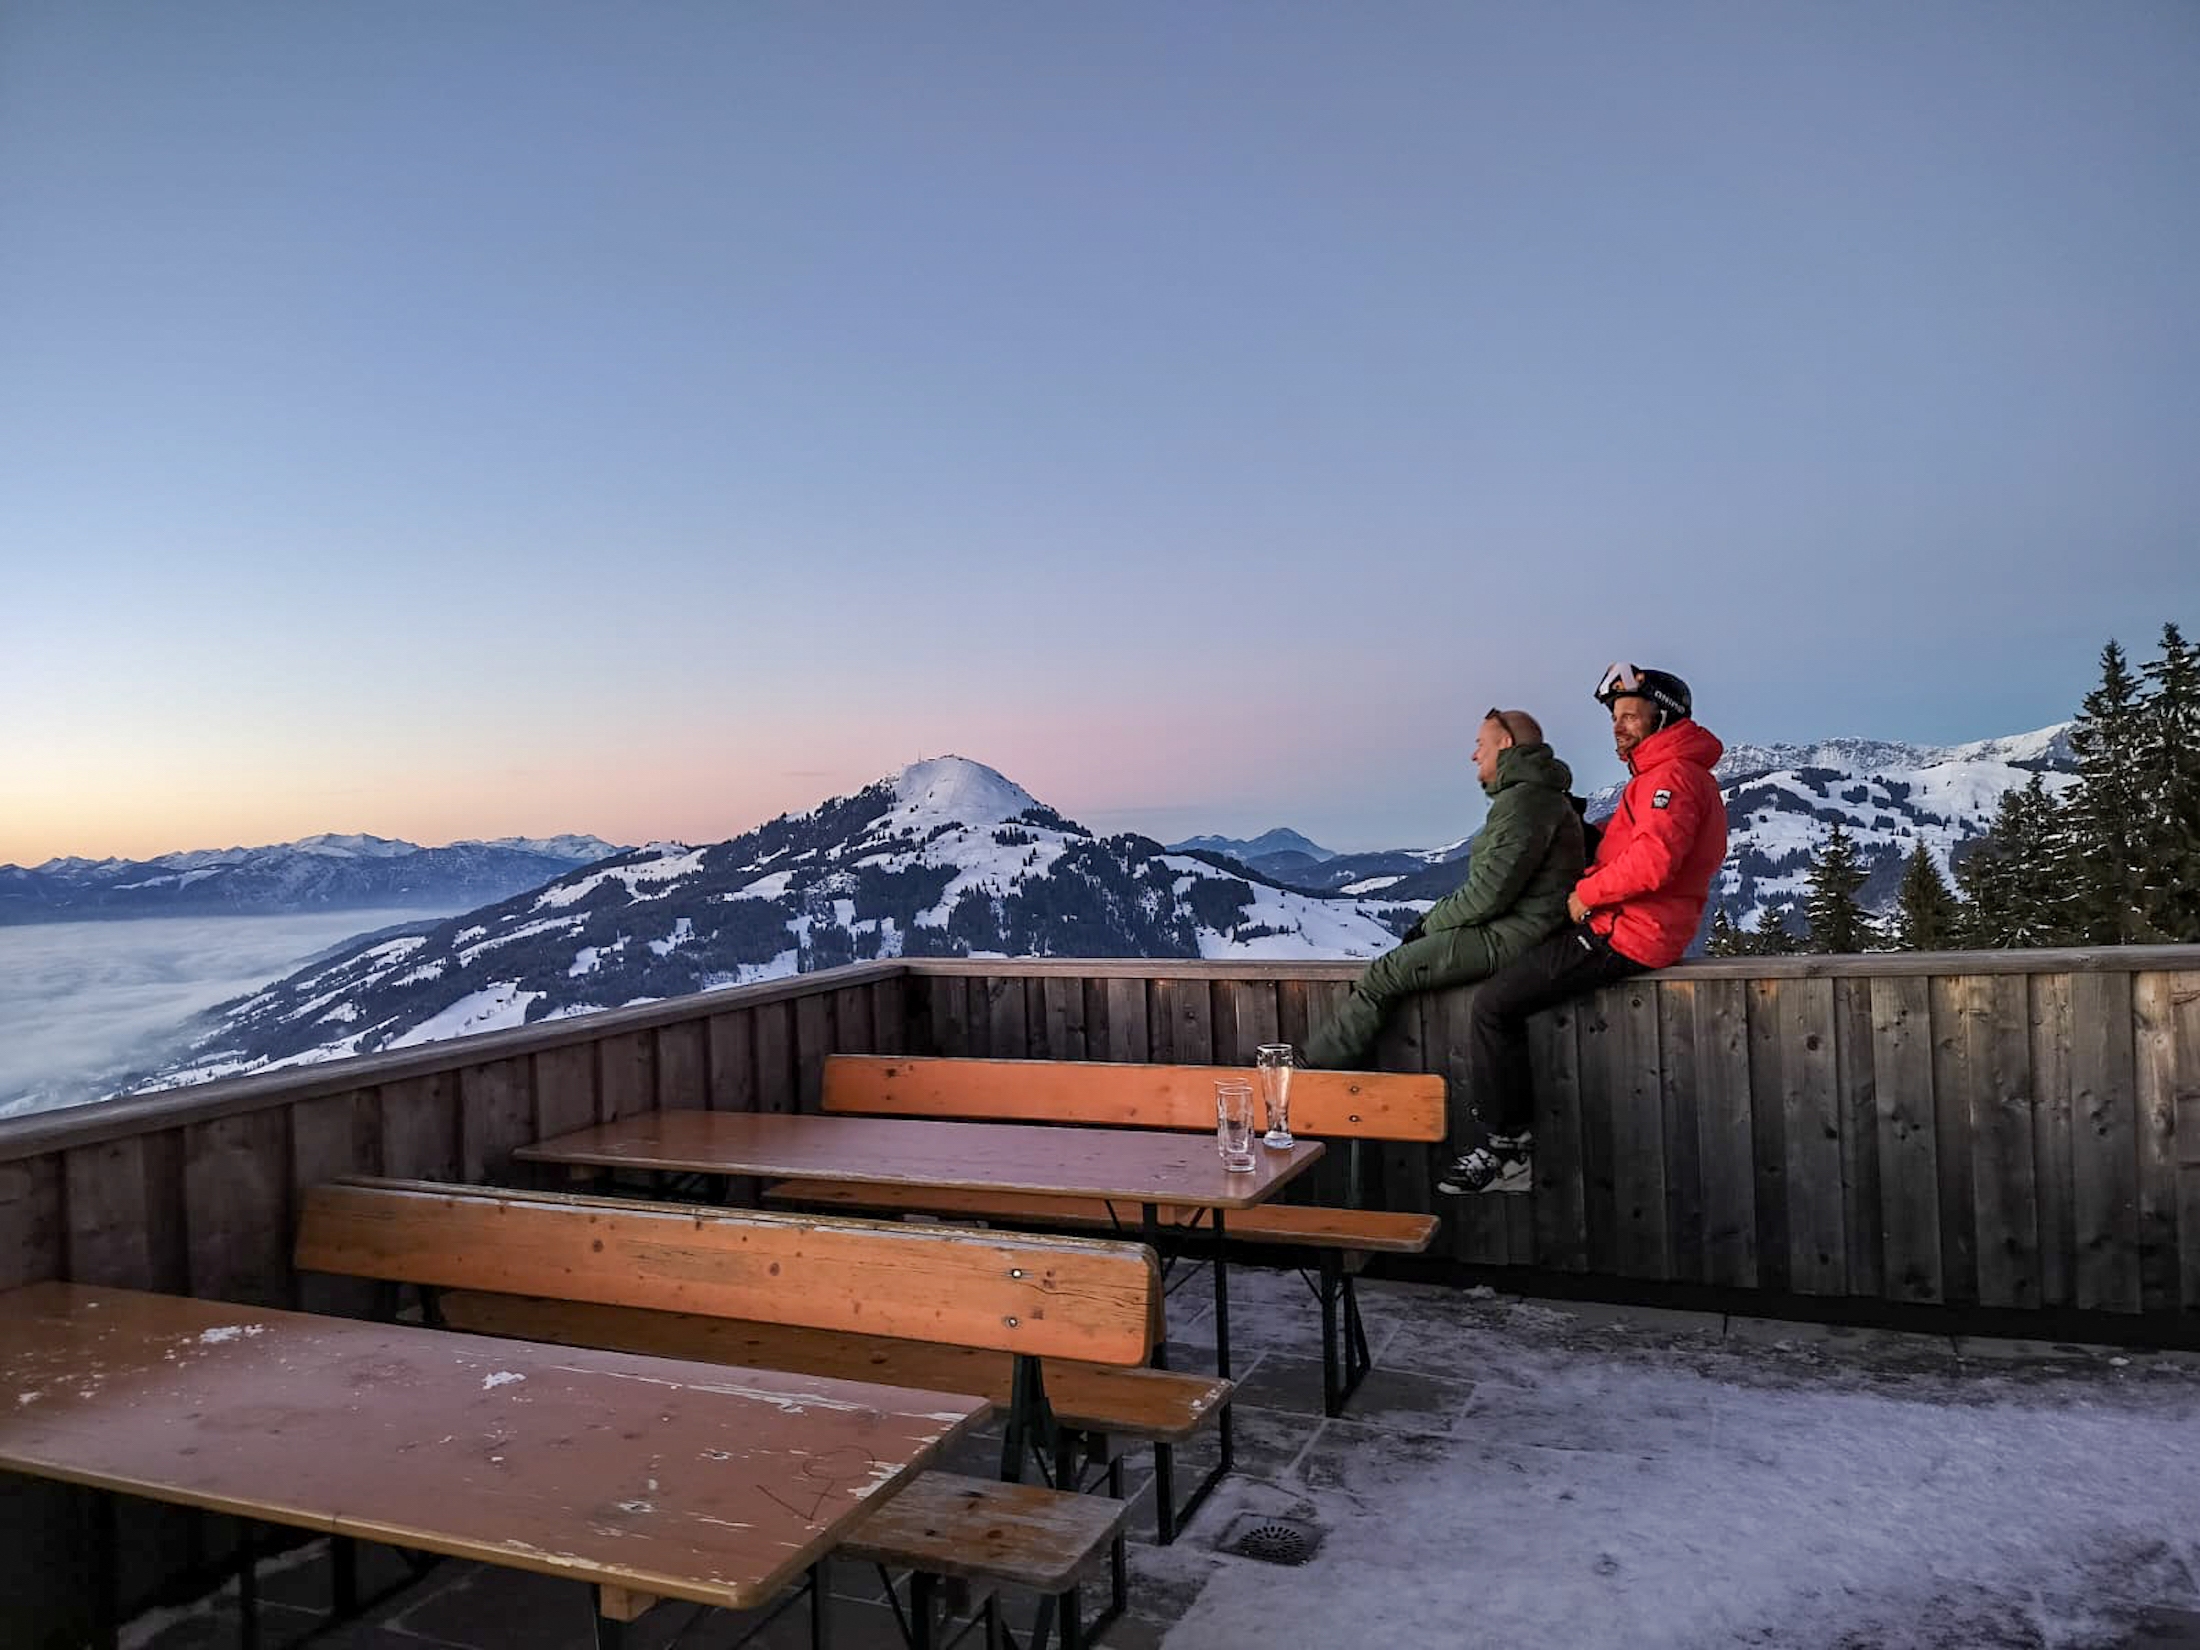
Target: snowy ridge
{"points": [[946, 858]]}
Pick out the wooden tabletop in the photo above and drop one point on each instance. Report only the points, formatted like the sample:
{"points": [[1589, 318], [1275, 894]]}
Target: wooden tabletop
{"points": [[649, 1475], [1129, 1165]]}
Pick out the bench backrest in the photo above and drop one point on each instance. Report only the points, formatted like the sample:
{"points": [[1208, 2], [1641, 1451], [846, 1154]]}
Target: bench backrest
{"points": [[1325, 1105], [1092, 1299]]}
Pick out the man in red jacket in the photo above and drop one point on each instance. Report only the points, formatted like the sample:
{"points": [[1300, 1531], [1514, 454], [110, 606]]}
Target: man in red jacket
{"points": [[1637, 909]]}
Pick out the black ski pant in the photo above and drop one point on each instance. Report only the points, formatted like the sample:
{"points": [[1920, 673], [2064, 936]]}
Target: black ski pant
{"points": [[1570, 963]]}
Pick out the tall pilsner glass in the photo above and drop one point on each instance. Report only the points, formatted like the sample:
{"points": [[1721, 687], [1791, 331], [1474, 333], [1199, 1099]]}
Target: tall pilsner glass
{"points": [[1273, 1061]]}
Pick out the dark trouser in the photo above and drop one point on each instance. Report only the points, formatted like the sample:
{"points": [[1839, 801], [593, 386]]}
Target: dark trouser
{"points": [[1435, 962], [1571, 962]]}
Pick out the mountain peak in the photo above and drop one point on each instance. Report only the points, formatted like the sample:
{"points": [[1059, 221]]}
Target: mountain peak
{"points": [[944, 789]]}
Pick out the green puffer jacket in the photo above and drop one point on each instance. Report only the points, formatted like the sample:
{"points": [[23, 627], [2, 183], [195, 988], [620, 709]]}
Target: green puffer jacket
{"points": [[1527, 859]]}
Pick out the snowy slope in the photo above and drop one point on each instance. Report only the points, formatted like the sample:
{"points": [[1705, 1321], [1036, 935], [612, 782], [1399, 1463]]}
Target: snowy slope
{"points": [[946, 858]]}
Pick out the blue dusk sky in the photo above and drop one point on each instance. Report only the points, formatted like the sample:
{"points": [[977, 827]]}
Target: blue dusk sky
{"points": [[517, 417]]}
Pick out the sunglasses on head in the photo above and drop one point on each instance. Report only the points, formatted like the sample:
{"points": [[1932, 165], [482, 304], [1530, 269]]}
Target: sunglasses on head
{"points": [[1493, 714]]}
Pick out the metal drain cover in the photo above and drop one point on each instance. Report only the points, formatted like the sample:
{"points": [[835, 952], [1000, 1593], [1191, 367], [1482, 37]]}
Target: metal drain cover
{"points": [[1272, 1540]]}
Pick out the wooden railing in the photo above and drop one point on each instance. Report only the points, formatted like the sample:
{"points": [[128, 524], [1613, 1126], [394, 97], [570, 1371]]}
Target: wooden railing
{"points": [[2013, 1130]]}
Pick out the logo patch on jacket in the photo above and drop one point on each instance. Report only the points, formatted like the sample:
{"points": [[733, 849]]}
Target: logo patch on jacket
{"points": [[1662, 799]]}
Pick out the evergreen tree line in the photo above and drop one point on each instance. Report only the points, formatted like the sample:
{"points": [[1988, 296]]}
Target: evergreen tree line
{"points": [[2113, 860]]}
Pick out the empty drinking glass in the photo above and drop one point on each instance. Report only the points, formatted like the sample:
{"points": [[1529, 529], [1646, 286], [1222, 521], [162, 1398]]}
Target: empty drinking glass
{"points": [[1274, 1063], [1234, 1124]]}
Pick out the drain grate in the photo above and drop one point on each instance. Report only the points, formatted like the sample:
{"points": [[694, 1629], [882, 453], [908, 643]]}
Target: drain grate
{"points": [[1273, 1540]]}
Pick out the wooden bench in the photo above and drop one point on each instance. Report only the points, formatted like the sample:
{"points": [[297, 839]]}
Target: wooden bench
{"points": [[1056, 1329], [1325, 1105]]}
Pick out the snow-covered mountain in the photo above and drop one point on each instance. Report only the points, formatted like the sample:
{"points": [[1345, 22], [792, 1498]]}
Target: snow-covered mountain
{"points": [[1282, 854], [947, 858], [317, 873]]}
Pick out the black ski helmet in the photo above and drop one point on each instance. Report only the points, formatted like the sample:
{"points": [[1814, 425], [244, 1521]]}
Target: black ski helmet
{"points": [[1661, 687]]}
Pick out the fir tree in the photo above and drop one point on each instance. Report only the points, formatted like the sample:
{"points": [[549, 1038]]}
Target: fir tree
{"points": [[2011, 882], [1834, 919], [1925, 911], [2104, 824], [1772, 938], [2169, 778], [1725, 940]]}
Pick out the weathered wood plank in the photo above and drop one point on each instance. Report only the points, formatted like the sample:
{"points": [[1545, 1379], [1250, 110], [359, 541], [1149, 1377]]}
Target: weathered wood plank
{"points": [[2005, 1186], [626, 1073], [237, 1207], [565, 1091], [2154, 1011], [2049, 997], [1008, 1035], [1678, 1086], [1637, 1161], [776, 1088], [1725, 1133], [1858, 1105], [108, 1195], [1561, 1220], [947, 1012], [1909, 1181], [1407, 1185], [890, 1016], [1600, 1066], [732, 1048], [1810, 1100], [33, 1237], [1475, 1228], [420, 1127], [496, 1112], [1292, 1024], [1244, 1018], [1130, 1028], [683, 1064], [2104, 1149], [1952, 1080], [1065, 1018], [2185, 1027], [1183, 1023], [1768, 1131], [813, 1040]]}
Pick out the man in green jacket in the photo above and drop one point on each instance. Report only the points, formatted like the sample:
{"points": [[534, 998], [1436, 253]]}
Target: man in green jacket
{"points": [[1524, 863]]}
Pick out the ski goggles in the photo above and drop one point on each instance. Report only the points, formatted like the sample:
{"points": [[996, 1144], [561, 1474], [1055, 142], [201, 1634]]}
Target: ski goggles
{"points": [[1619, 679]]}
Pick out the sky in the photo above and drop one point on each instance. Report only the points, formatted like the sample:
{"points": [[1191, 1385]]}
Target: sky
{"points": [[522, 417]]}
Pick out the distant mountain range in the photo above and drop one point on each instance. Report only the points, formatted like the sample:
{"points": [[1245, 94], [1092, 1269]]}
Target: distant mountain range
{"points": [[950, 858], [318, 873], [946, 858]]}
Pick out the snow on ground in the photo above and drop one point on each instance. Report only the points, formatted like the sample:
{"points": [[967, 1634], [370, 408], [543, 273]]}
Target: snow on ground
{"points": [[956, 790], [1535, 1477], [673, 862], [500, 1007]]}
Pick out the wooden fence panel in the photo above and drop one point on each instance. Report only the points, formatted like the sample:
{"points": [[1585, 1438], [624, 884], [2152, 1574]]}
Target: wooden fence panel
{"points": [[565, 1090], [890, 1016], [948, 1013], [1063, 1016], [2154, 1011], [112, 1221], [732, 1044], [2104, 1143], [1600, 1066], [2004, 1176], [1680, 1082], [813, 1040], [496, 1114], [1856, 1096], [1637, 1161], [420, 1126], [1952, 1087], [1726, 1149], [776, 1087], [2049, 997], [33, 1229], [1130, 1021], [1768, 1132], [1561, 1220], [330, 1137], [1475, 1228], [626, 1074], [1183, 1023], [683, 1066], [1008, 1033], [237, 1197], [1909, 1181], [1810, 1130], [1403, 1178]]}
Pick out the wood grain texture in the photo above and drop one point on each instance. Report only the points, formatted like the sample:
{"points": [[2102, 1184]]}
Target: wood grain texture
{"points": [[33, 1231], [598, 1466], [2049, 1001], [237, 1207], [1909, 1182], [2154, 1008], [496, 1113], [1560, 1213], [2104, 1143], [2004, 1133], [1725, 1132], [1324, 1104], [1810, 1101], [1055, 1297]]}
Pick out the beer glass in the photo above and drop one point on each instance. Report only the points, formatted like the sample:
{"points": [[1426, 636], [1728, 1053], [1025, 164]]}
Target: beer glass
{"points": [[1274, 1063], [1234, 1124]]}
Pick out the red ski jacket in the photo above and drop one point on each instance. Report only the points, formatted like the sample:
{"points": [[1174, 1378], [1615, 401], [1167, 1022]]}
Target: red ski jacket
{"points": [[1661, 849]]}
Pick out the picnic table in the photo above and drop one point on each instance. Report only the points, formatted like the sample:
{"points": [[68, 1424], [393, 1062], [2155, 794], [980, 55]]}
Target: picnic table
{"points": [[643, 1477], [1148, 1169]]}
